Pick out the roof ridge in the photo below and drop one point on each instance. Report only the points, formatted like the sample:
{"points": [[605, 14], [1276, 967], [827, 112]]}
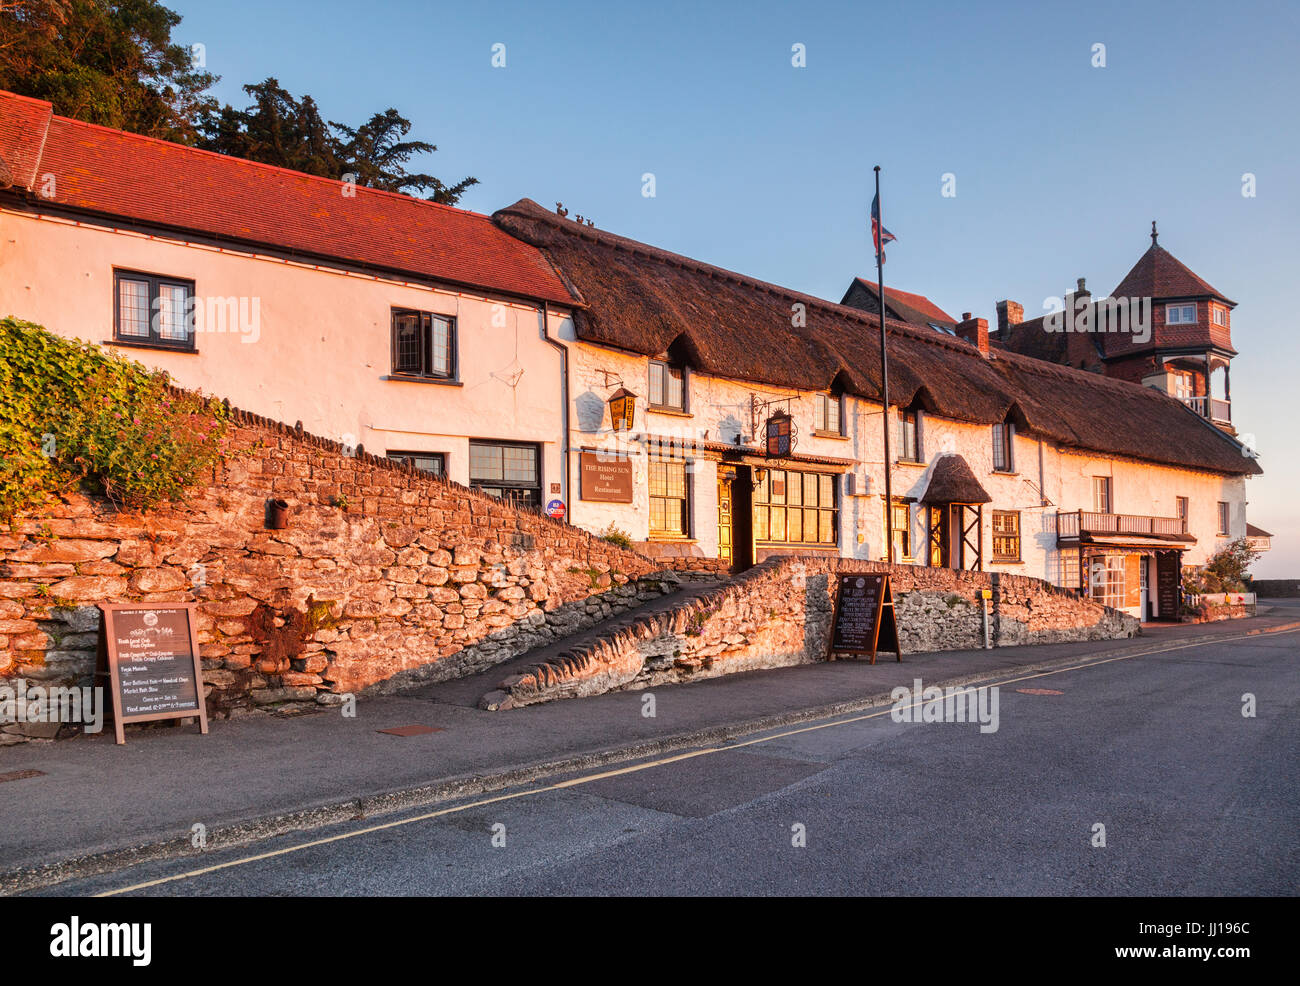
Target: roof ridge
{"points": [[638, 248], [10, 94], [258, 164]]}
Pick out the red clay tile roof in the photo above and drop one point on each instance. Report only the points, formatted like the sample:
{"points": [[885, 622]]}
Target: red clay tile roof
{"points": [[154, 183], [23, 123], [1159, 274], [902, 301]]}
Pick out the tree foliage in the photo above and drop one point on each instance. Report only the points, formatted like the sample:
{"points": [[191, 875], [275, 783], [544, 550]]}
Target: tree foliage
{"points": [[113, 62], [72, 415], [276, 128], [1226, 570]]}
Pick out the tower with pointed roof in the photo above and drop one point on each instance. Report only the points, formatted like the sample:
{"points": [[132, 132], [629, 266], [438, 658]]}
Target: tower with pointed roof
{"points": [[1184, 347]]}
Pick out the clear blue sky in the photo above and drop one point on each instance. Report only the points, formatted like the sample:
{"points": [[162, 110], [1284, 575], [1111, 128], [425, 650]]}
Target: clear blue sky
{"points": [[766, 169]]}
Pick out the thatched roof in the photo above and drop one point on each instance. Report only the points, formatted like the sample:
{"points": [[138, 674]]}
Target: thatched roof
{"points": [[952, 481], [639, 298]]}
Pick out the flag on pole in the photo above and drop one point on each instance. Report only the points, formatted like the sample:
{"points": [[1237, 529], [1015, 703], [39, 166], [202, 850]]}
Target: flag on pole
{"points": [[879, 235]]}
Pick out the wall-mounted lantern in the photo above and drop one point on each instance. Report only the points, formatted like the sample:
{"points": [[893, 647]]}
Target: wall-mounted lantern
{"points": [[622, 409], [779, 435]]}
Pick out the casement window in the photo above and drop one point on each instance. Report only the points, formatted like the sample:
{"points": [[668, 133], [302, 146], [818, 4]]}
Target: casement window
{"points": [[507, 471], [827, 417], [1106, 580], [909, 436], [667, 386], [1180, 314], [1101, 500], [1182, 502], [1182, 385], [153, 310], [1006, 535], [1068, 569], [1003, 461], [796, 508], [670, 498], [434, 462], [1220, 316], [1225, 518], [900, 530], [424, 345]]}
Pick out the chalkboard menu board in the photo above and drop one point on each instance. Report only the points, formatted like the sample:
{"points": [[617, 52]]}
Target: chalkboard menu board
{"points": [[150, 655], [862, 618]]}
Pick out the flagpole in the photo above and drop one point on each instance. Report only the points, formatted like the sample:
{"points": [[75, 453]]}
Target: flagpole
{"points": [[878, 238]]}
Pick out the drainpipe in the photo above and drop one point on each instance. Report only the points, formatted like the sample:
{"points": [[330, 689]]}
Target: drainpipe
{"points": [[564, 395], [984, 601]]}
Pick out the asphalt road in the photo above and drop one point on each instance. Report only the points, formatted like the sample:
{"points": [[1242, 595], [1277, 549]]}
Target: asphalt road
{"points": [[1195, 798]]}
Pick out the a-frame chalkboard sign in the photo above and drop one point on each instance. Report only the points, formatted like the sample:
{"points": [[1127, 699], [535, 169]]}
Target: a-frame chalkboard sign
{"points": [[149, 654], [862, 617]]}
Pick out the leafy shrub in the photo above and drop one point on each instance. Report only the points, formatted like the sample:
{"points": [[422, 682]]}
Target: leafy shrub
{"points": [[1225, 571], [616, 536], [71, 414]]}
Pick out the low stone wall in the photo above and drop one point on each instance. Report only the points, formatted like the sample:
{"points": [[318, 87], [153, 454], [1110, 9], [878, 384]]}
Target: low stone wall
{"points": [[385, 576], [779, 614], [1214, 612], [1275, 588]]}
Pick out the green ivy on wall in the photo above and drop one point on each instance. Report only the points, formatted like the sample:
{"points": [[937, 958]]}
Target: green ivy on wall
{"points": [[73, 415]]}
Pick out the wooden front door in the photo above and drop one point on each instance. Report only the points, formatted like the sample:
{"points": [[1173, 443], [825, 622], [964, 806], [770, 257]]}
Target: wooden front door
{"points": [[1168, 572], [726, 516]]}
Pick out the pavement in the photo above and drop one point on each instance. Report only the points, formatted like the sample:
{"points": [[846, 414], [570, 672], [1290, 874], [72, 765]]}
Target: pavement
{"points": [[96, 807]]}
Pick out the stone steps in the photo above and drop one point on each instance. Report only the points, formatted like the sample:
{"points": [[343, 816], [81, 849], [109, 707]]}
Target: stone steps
{"points": [[470, 690]]}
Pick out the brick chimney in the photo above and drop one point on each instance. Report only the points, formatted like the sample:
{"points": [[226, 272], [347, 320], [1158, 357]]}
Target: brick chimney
{"points": [[974, 330], [1009, 313]]}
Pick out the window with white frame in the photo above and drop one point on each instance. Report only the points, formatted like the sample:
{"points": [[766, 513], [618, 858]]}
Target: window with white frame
{"points": [[1180, 314], [1220, 316], [1101, 501], [1225, 518]]}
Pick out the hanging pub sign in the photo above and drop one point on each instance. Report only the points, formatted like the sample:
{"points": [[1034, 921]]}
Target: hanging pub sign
{"points": [[149, 654], [780, 435], [862, 617]]}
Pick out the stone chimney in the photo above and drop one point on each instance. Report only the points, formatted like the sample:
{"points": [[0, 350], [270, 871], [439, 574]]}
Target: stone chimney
{"points": [[974, 330], [1009, 313]]}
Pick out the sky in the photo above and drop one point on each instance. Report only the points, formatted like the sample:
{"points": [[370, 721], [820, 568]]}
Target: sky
{"points": [[765, 168]]}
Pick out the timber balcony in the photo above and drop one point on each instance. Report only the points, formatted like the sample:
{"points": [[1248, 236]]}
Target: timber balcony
{"points": [[1218, 411], [1081, 526]]}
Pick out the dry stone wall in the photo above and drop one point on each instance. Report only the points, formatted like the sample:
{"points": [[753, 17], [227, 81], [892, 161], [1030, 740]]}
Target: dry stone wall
{"points": [[779, 614], [384, 576]]}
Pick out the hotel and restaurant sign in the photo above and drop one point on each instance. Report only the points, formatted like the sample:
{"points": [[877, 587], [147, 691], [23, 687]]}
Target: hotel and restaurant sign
{"points": [[606, 478]]}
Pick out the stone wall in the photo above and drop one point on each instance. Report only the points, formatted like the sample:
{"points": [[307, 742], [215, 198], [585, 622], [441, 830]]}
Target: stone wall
{"points": [[384, 576], [779, 613], [1275, 588]]}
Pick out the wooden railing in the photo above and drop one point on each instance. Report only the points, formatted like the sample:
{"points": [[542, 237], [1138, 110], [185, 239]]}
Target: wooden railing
{"points": [[1211, 407], [1070, 525]]}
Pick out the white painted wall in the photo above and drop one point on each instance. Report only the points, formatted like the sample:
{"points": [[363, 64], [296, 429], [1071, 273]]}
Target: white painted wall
{"points": [[321, 354], [718, 408], [319, 351]]}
